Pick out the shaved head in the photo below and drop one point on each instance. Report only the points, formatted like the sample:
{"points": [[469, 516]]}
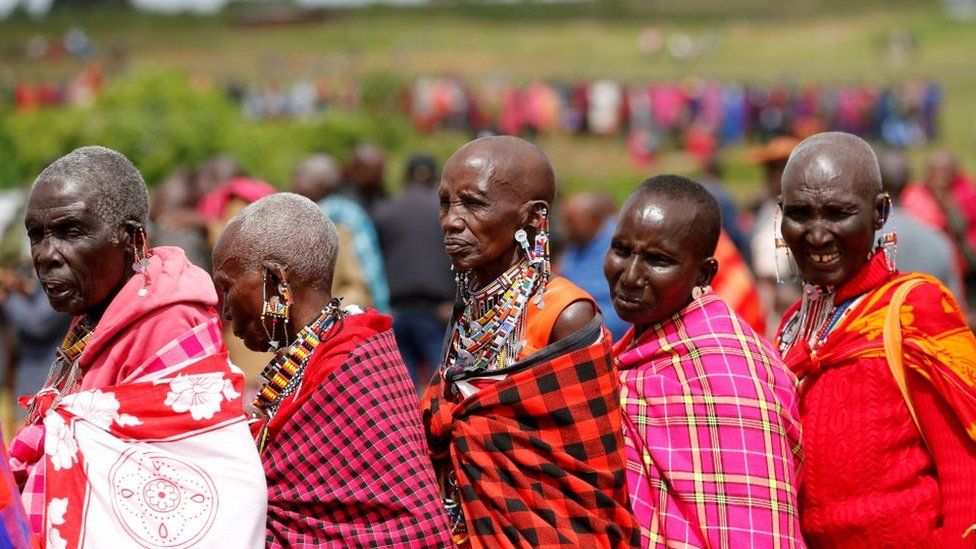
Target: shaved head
{"points": [[317, 177], [699, 212], [511, 165], [837, 157], [287, 228]]}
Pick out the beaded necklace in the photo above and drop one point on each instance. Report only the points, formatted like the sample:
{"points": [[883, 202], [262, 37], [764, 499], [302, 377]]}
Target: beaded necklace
{"points": [[488, 334], [283, 375], [816, 318], [63, 377]]}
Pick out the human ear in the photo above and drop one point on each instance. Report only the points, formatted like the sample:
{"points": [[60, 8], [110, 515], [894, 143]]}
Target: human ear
{"points": [[882, 210], [537, 214], [707, 271]]}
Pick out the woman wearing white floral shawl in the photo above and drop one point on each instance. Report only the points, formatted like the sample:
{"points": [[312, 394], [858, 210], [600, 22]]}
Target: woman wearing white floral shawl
{"points": [[138, 437]]}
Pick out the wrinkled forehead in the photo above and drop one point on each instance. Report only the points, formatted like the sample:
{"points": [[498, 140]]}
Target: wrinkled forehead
{"points": [[58, 194], [820, 173]]}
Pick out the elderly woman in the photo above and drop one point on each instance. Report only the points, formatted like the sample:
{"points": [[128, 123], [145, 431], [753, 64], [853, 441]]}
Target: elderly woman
{"points": [[522, 417], [146, 441], [710, 422], [337, 420], [888, 367]]}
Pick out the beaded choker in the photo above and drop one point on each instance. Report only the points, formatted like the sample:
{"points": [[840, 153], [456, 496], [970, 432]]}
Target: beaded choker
{"points": [[488, 334], [283, 374], [63, 377], [816, 317]]}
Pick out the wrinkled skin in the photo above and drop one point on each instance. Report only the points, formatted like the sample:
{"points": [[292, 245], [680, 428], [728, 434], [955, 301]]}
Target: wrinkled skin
{"points": [[81, 262], [655, 259], [830, 215], [240, 291]]}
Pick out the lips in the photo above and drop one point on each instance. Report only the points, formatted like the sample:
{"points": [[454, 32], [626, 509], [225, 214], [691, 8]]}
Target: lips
{"points": [[56, 289], [824, 258], [627, 302], [452, 245]]}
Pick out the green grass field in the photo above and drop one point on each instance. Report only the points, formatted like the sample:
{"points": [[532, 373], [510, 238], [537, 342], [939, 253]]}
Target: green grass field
{"points": [[758, 40]]}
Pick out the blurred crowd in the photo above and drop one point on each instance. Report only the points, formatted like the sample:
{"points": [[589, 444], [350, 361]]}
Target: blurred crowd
{"points": [[400, 233]]}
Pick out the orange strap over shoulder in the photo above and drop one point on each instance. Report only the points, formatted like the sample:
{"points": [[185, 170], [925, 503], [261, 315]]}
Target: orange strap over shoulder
{"points": [[893, 348]]}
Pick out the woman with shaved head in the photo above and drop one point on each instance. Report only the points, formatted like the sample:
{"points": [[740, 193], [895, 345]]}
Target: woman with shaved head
{"points": [[522, 416], [711, 423], [336, 417], [138, 437], [888, 366]]}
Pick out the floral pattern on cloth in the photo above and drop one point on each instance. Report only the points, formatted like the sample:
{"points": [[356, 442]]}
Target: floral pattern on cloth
{"points": [[154, 458]]}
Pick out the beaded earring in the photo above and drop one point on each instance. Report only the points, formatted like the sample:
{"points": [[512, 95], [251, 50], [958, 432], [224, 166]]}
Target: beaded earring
{"points": [[782, 251], [699, 291], [277, 309], [889, 240], [141, 255]]}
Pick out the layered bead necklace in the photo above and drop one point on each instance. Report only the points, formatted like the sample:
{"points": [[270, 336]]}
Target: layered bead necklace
{"points": [[63, 378], [283, 375], [817, 316]]}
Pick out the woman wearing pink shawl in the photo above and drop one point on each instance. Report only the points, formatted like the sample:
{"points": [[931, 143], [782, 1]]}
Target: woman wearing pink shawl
{"points": [[711, 422], [138, 437]]}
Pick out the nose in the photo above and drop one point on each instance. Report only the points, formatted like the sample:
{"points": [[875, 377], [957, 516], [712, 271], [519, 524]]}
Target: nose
{"points": [[451, 221], [818, 235], [45, 255], [632, 277]]}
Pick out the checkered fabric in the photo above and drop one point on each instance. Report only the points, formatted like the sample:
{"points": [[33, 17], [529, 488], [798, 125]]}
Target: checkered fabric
{"points": [[539, 456], [350, 469], [712, 431]]}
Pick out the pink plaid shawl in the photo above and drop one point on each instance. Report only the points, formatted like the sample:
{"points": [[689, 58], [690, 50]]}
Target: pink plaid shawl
{"points": [[712, 432], [350, 467]]}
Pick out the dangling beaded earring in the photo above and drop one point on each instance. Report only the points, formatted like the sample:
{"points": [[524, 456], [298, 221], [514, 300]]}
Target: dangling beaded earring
{"points": [[141, 255], [276, 309], [889, 240], [540, 255], [782, 251]]}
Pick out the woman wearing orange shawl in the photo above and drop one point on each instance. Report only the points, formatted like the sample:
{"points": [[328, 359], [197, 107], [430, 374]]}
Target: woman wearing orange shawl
{"points": [[887, 366]]}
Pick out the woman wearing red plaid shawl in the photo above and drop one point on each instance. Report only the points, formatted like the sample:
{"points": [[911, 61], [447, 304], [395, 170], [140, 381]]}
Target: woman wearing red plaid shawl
{"points": [[336, 418], [711, 423], [522, 418], [887, 366], [138, 437]]}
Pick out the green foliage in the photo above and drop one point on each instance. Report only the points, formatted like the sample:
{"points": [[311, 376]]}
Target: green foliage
{"points": [[160, 121]]}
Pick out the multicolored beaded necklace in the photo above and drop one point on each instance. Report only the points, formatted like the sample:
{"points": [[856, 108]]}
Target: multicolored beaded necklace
{"points": [[63, 378], [283, 375], [488, 334], [816, 318]]}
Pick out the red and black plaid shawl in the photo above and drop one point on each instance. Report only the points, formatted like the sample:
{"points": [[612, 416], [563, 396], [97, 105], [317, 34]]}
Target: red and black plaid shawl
{"points": [[539, 457], [349, 467]]}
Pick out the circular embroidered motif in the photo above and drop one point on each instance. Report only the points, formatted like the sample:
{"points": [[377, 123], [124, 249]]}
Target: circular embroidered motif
{"points": [[162, 501]]}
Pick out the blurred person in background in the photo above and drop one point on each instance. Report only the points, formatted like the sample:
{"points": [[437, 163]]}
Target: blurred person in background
{"points": [[921, 247], [337, 423], [141, 398], [175, 221], [422, 292], [945, 198], [887, 366], [712, 178], [772, 268], [588, 223], [365, 176], [361, 277], [216, 170], [711, 420]]}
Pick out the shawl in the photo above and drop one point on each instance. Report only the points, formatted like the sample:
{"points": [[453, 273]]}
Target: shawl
{"points": [[15, 530], [712, 432], [151, 461], [349, 467], [936, 342], [538, 457]]}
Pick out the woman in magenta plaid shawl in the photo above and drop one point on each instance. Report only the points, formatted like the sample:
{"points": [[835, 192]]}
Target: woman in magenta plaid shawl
{"points": [[711, 421]]}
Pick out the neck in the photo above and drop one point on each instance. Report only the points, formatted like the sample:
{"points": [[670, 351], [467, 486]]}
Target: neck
{"points": [[488, 272], [309, 302]]}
